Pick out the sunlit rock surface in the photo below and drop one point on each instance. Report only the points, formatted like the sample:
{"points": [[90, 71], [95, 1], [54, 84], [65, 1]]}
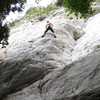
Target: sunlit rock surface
{"points": [[79, 80], [90, 42], [28, 58], [52, 68]]}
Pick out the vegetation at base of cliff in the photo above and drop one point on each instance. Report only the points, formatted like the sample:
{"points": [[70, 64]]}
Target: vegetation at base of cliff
{"points": [[39, 11], [81, 8]]}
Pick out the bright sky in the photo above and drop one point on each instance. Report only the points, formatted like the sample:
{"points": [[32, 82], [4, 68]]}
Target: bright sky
{"points": [[30, 3]]}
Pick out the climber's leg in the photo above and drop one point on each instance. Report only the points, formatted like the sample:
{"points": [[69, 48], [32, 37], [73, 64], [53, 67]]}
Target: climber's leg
{"points": [[45, 32]]}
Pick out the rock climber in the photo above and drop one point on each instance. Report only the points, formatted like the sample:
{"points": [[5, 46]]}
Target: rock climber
{"points": [[49, 26]]}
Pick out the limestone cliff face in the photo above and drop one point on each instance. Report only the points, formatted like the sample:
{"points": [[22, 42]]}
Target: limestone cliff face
{"points": [[49, 68]]}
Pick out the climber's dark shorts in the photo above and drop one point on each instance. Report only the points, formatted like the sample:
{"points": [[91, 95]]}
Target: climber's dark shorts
{"points": [[49, 28]]}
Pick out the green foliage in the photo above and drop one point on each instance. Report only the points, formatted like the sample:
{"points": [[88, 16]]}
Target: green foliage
{"points": [[4, 30], [39, 11], [78, 7]]}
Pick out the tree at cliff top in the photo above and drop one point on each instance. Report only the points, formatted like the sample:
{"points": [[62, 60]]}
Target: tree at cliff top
{"points": [[5, 7], [59, 2], [78, 7]]}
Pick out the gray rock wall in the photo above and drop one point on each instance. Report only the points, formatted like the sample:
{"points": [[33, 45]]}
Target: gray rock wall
{"points": [[50, 68]]}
